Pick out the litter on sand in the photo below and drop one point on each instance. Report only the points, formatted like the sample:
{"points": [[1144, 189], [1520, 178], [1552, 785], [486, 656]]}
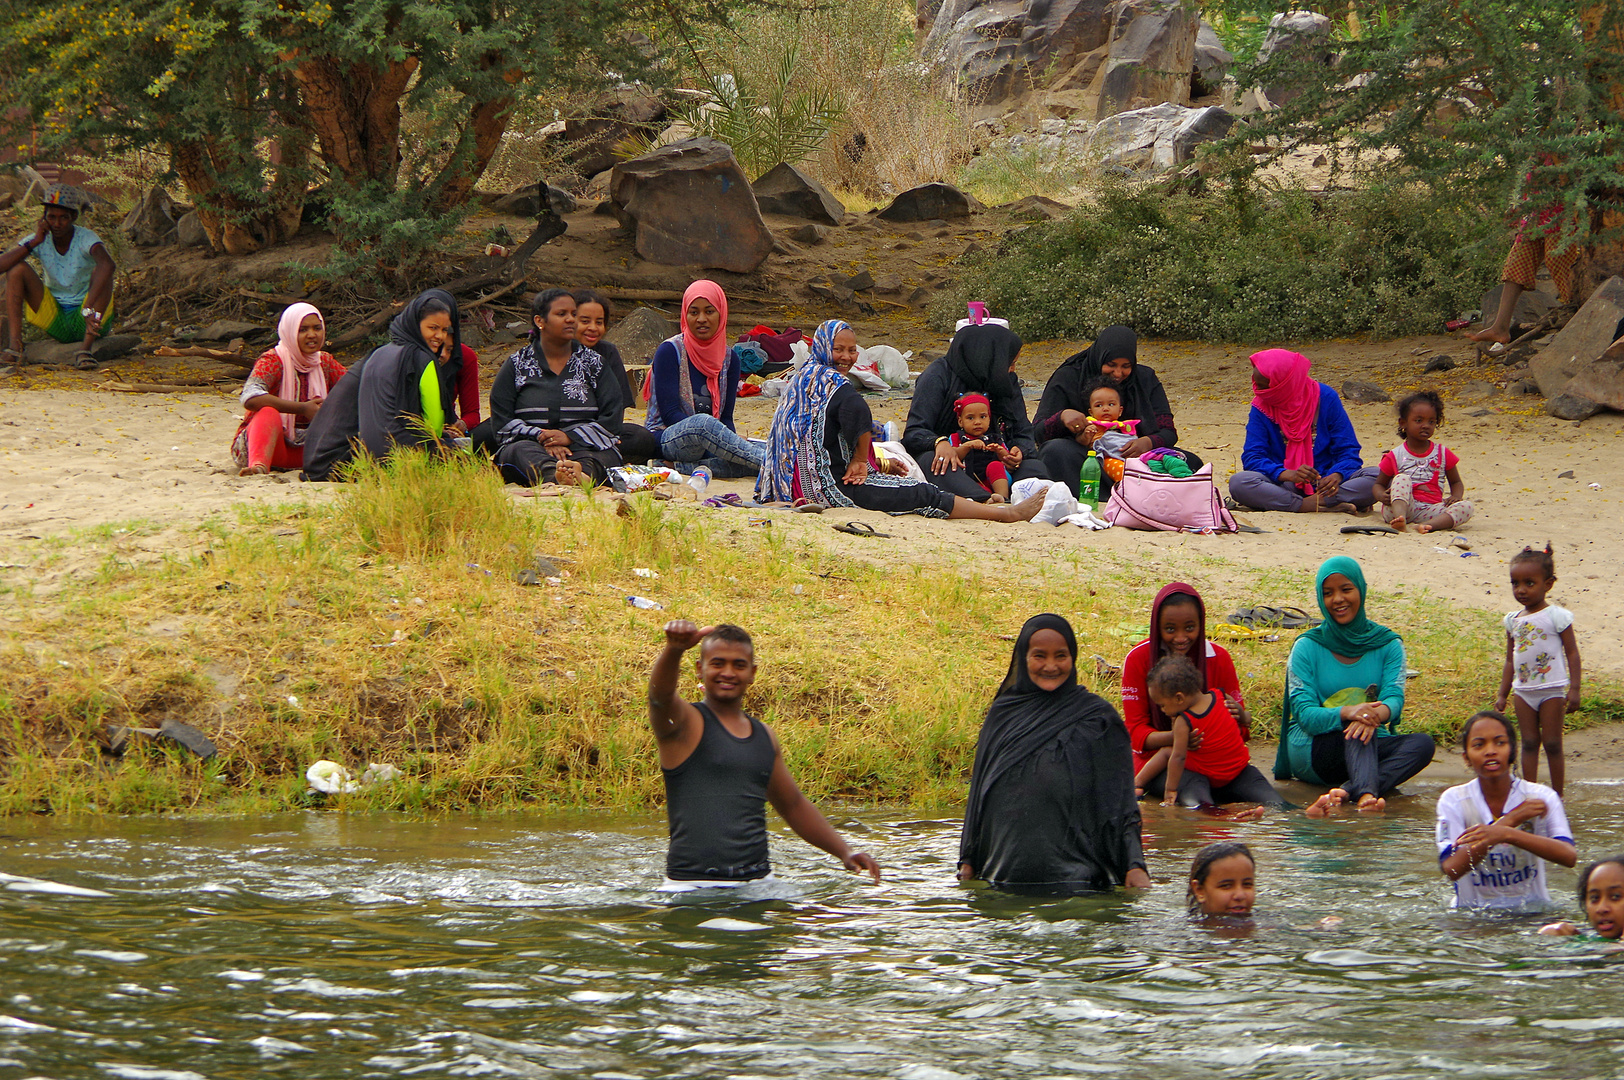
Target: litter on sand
{"points": [[331, 778]]}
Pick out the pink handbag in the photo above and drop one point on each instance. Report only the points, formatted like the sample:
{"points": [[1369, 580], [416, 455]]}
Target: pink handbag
{"points": [[1148, 500]]}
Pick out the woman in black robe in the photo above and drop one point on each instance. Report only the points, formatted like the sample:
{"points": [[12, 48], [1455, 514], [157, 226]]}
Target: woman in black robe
{"points": [[980, 360], [1051, 807], [1062, 430]]}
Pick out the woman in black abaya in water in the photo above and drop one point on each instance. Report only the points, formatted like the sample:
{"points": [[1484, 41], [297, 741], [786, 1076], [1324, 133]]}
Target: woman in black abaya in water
{"points": [[1051, 807]]}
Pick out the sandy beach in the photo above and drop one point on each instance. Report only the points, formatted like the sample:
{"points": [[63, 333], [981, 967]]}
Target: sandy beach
{"points": [[74, 458]]}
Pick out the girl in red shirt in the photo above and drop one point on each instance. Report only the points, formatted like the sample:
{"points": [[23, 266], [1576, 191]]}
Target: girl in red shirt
{"points": [[1178, 627]]}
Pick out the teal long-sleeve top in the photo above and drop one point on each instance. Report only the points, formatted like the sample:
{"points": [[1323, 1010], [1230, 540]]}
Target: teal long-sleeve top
{"points": [[1314, 674]]}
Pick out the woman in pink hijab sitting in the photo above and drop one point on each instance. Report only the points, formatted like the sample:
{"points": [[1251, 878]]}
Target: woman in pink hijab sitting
{"points": [[1301, 453], [691, 387], [283, 394]]}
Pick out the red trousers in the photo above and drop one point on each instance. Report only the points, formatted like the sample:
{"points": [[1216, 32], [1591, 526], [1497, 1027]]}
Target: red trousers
{"points": [[268, 444]]}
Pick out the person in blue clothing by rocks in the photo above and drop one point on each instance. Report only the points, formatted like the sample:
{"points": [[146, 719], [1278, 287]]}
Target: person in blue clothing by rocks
{"points": [[1301, 453]]}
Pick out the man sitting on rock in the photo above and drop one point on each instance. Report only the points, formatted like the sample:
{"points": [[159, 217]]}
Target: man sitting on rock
{"points": [[76, 298]]}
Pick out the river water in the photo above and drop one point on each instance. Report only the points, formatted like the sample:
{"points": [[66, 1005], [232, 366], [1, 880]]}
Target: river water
{"points": [[325, 946]]}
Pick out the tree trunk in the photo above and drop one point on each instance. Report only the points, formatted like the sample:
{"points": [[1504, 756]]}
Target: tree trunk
{"points": [[486, 125], [1604, 257], [355, 112], [200, 163]]}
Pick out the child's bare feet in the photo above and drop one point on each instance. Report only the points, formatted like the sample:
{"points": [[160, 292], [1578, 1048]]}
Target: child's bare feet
{"points": [[1370, 804], [1323, 805], [1421, 528], [1399, 524], [567, 473]]}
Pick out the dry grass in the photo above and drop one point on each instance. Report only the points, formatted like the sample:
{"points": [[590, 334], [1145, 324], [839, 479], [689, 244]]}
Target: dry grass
{"points": [[389, 627]]}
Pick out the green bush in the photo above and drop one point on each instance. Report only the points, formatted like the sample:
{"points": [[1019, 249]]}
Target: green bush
{"points": [[1240, 265]]}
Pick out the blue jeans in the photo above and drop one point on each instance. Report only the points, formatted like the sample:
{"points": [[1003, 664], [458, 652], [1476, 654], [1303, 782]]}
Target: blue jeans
{"points": [[704, 440]]}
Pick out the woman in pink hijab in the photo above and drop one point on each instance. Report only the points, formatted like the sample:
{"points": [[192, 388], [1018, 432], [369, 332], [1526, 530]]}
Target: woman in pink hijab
{"points": [[692, 384], [1301, 453], [283, 394]]}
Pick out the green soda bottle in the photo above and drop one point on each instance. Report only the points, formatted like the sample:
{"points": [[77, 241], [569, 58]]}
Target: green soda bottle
{"points": [[1088, 482]]}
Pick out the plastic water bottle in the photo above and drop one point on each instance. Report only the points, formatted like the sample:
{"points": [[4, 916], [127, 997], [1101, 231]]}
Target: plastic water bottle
{"points": [[1088, 482], [700, 480]]}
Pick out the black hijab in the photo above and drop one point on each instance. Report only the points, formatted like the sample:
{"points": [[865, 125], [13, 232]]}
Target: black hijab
{"points": [[1025, 720], [405, 331], [981, 356]]}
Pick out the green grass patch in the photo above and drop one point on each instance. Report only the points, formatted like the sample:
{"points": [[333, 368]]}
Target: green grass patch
{"points": [[388, 627], [1239, 264]]}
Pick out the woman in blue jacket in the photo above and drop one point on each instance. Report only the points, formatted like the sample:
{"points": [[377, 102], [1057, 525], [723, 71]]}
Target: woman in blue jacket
{"points": [[1301, 454]]}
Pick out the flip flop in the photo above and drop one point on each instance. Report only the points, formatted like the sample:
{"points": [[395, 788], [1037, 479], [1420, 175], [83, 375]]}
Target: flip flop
{"points": [[1285, 618], [85, 360], [861, 528], [1370, 530], [1241, 633]]}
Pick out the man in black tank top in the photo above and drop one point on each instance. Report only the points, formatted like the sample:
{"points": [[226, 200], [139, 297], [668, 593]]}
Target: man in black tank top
{"points": [[722, 766]]}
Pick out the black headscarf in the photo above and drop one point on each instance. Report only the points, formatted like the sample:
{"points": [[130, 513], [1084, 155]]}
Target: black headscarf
{"points": [[405, 331], [1070, 721], [1143, 398], [980, 356]]}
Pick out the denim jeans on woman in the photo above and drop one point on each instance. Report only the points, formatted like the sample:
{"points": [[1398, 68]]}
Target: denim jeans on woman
{"points": [[704, 440]]}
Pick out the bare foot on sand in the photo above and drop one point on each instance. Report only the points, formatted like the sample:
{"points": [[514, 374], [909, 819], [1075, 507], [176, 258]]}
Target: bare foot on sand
{"points": [[1323, 805], [1399, 525], [1026, 509], [1339, 508], [1421, 528]]}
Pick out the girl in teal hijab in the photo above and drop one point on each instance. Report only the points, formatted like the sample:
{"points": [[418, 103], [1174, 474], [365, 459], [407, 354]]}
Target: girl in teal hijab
{"points": [[1353, 745]]}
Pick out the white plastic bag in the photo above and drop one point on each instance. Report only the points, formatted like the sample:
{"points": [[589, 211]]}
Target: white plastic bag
{"points": [[896, 452], [1058, 501], [798, 354], [867, 377], [887, 363]]}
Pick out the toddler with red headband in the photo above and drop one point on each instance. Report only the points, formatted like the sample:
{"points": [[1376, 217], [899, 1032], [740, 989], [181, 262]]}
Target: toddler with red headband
{"points": [[978, 448]]}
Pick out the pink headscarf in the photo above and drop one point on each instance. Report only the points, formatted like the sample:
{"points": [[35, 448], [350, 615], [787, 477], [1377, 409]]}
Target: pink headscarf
{"points": [[293, 361], [710, 357], [1292, 402]]}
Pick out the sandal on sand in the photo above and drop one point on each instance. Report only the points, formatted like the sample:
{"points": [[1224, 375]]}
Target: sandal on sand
{"points": [[254, 470], [1370, 530], [1234, 507], [85, 360], [861, 528], [1286, 618], [12, 358], [1232, 632]]}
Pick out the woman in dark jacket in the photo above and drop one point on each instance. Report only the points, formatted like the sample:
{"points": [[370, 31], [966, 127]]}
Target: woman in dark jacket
{"points": [[1062, 429], [981, 360], [398, 396], [556, 406]]}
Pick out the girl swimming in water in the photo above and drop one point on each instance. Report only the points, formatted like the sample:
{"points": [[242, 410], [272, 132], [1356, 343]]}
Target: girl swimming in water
{"points": [[1222, 881], [1601, 897], [1496, 833]]}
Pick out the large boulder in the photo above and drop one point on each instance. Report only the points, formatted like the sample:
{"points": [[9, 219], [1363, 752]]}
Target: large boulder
{"points": [[1157, 138], [689, 204], [1295, 38], [928, 202], [1576, 347], [1212, 63], [103, 349], [189, 231], [1150, 55], [22, 182], [640, 333], [152, 221], [529, 200], [788, 191], [607, 119], [999, 49]]}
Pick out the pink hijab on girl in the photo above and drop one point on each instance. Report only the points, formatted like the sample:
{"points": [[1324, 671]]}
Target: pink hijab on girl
{"points": [[1291, 400], [710, 357], [296, 363]]}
